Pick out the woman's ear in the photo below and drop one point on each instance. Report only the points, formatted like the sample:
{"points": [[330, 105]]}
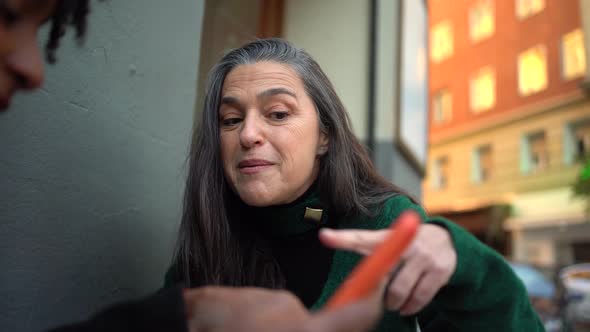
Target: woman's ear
{"points": [[323, 144]]}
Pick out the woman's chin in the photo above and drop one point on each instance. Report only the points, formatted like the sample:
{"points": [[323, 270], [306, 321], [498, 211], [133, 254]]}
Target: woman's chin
{"points": [[257, 201], [256, 198]]}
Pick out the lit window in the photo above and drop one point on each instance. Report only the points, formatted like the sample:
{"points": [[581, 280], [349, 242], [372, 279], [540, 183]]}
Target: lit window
{"points": [[442, 107], [440, 173], [526, 8], [532, 70], [481, 20], [481, 164], [573, 57], [441, 41], [534, 153], [482, 90], [577, 140]]}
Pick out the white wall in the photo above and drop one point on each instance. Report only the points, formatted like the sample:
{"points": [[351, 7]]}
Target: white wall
{"points": [[335, 33], [91, 169]]}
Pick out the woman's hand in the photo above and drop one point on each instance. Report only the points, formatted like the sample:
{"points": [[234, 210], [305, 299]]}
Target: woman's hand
{"points": [[427, 266]]}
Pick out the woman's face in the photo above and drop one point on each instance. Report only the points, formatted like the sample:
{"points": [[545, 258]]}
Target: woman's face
{"points": [[21, 62], [270, 134]]}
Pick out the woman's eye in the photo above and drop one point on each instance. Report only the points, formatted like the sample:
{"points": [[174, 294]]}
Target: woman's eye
{"points": [[230, 122], [279, 115]]}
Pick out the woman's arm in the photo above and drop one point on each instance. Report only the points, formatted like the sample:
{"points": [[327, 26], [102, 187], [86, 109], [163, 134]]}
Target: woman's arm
{"points": [[228, 309], [163, 311], [484, 294], [468, 285]]}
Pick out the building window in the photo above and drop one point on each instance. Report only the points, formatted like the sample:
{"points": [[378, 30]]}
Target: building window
{"points": [[442, 106], [481, 20], [573, 57], [534, 153], [526, 8], [440, 173], [441, 41], [582, 140], [482, 90], [576, 140], [481, 164], [532, 70]]}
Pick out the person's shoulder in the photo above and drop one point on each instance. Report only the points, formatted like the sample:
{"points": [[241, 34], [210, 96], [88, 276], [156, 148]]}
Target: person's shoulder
{"points": [[394, 206], [387, 212], [399, 202]]}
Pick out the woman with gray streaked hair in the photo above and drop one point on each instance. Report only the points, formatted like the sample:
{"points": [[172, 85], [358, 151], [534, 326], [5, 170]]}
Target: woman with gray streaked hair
{"points": [[208, 308], [275, 160]]}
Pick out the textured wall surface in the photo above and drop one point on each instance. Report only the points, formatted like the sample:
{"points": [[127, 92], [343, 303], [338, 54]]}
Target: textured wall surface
{"points": [[340, 44], [388, 158], [336, 34], [92, 166]]}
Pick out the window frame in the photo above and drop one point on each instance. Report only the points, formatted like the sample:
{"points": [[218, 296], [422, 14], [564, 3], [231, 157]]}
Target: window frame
{"points": [[477, 174], [570, 153], [474, 77], [437, 182], [563, 58], [526, 156], [476, 38], [435, 56], [446, 114], [530, 12], [522, 93]]}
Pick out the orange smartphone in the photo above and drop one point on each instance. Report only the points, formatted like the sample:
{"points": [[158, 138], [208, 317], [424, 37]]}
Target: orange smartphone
{"points": [[367, 275]]}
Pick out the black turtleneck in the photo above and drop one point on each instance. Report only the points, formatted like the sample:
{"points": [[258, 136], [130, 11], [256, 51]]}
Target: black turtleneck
{"points": [[294, 244], [304, 262]]}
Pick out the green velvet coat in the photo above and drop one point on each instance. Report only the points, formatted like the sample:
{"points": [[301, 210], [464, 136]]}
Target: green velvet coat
{"points": [[482, 295]]}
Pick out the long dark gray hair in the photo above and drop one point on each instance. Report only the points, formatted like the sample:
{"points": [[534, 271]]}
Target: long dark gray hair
{"points": [[211, 248]]}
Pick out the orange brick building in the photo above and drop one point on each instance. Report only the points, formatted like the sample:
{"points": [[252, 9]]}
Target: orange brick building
{"points": [[509, 116], [500, 50]]}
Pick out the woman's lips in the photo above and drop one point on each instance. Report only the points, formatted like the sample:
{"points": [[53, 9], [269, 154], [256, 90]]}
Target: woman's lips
{"points": [[251, 166]]}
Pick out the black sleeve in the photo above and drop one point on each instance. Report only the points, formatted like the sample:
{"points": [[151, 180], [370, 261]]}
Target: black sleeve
{"points": [[163, 311]]}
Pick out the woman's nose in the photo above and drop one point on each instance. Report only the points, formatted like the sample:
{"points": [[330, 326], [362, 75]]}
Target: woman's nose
{"points": [[252, 132], [26, 63]]}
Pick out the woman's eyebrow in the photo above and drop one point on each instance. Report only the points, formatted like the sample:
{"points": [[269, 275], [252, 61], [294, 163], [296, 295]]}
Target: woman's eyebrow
{"points": [[234, 101], [229, 100], [276, 91]]}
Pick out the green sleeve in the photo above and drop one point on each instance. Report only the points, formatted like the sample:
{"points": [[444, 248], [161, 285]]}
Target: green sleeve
{"points": [[483, 294]]}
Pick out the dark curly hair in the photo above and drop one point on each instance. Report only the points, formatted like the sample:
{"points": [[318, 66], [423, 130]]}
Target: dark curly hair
{"points": [[67, 12]]}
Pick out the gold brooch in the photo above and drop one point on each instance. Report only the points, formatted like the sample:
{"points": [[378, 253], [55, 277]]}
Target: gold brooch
{"points": [[313, 214]]}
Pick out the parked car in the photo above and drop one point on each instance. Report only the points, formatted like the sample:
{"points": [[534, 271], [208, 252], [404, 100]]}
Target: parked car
{"points": [[542, 294], [576, 283]]}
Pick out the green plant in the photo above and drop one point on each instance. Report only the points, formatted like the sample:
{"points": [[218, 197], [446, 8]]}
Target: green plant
{"points": [[581, 188]]}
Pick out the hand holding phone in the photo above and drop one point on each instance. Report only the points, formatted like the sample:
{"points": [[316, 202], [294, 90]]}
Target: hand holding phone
{"points": [[366, 276]]}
